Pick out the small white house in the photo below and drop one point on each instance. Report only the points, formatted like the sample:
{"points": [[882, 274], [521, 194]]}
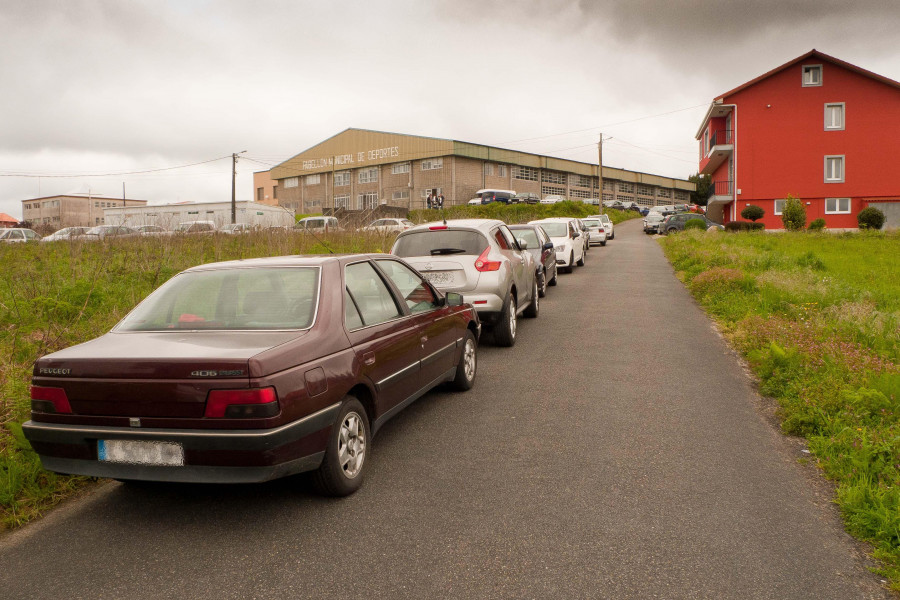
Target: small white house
{"points": [[168, 216]]}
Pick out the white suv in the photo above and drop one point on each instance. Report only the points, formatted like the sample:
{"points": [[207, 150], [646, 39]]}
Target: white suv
{"points": [[568, 241], [480, 259]]}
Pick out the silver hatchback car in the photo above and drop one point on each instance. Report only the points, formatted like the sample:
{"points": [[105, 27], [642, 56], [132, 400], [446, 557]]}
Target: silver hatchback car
{"points": [[480, 259]]}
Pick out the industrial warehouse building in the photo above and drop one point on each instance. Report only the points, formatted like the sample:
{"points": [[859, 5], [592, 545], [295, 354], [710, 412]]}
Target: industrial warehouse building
{"points": [[71, 210], [168, 216], [360, 169]]}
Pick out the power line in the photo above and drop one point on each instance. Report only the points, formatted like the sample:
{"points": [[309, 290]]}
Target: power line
{"points": [[117, 174]]}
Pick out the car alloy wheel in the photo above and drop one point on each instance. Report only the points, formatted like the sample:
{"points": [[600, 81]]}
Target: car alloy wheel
{"points": [[352, 445], [542, 289], [468, 364], [534, 307], [505, 330]]}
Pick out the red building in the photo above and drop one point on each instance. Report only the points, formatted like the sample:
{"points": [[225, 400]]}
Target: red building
{"points": [[816, 128]]}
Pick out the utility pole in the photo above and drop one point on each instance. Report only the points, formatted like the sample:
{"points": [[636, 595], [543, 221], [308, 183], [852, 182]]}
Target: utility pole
{"points": [[600, 171], [234, 158], [123, 194]]}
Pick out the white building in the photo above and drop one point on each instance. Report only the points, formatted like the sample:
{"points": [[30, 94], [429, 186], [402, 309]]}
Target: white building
{"points": [[168, 216]]}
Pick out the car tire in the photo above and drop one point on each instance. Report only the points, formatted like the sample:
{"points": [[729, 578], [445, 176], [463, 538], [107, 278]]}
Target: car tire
{"points": [[505, 330], [342, 469], [580, 262], [467, 367], [602, 243], [542, 286], [534, 307], [555, 279]]}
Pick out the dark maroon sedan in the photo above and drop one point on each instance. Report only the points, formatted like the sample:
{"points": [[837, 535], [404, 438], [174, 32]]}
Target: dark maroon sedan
{"points": [[249, 370]]}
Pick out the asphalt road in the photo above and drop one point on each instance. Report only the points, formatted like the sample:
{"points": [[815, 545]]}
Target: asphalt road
{"points": [[617, 451]]}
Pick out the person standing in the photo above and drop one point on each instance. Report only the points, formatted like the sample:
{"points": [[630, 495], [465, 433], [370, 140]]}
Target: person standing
{"points": [[440, 200], [428, 201]]}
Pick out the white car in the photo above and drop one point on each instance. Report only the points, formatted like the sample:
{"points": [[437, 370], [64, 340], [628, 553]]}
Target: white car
{"points": [[389, 225], [474, 202], [596, 230], [568, 242], [66, 233], [608, 225], [552, 199]]}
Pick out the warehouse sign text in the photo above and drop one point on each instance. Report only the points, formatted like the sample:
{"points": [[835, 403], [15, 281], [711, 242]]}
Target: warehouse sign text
{"points": [[349, 159]]}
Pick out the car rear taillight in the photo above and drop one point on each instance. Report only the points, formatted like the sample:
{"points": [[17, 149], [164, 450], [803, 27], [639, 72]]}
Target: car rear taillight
{"points": [[483, 264], [49, 400], [601, 230], [240, 404]]}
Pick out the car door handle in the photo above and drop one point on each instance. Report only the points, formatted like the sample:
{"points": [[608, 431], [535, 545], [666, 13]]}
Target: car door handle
{"points": [[369, 359]]}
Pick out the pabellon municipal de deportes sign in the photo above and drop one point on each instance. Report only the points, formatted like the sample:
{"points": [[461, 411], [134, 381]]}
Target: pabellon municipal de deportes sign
{"points": [[350, 159]]}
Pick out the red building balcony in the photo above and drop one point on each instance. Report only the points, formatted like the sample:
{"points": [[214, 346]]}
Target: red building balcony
{"points": [[719, 147]]}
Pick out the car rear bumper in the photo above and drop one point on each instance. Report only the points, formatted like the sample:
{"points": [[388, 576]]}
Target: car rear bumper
{"points": [[484, 303], [210, 456], [597, 238]]}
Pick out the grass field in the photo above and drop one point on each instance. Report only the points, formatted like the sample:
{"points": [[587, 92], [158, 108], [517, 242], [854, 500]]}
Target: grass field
{"points": [[56, 295], [818, 318]]}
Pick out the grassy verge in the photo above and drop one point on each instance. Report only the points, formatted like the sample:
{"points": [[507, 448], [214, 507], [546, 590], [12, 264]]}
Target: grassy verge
{"points": [[59, 294], [818, 318], [519, 213]]}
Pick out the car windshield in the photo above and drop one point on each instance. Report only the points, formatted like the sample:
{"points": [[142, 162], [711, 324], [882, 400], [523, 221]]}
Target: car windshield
{"points": [[230, 299], [555, 229], [528, 235], [441, 241]]}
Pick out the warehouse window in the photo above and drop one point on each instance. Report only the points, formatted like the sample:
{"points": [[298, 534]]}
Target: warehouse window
{"points": [[342, 178], [553, 177], [488, 169], [501, 170], [368, 175], [549, 190], [312, 179], [367, 201], [400, 196], [608, 197], [434, 163], [682, 195], [625, 198], [291, 182], [581, 193], [398, 168], [625, 187], [525, 173], [580, 180], [834, 116], [663, 193], [342, 201], [644, 190], [608, 186], [836, 206]]}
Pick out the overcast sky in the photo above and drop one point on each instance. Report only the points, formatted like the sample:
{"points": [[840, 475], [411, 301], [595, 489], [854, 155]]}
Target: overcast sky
{"points": [[100, 87]]}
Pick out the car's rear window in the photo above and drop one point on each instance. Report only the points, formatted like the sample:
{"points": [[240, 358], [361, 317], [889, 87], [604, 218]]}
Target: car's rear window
{"points": [[230, 299], [555, 229], [591, 222], [440, 241]]}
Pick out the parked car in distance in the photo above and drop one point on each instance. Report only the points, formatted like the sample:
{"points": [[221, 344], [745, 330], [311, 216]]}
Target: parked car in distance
{"points": [[317, 224], [540, 246], [250, 370], [607, 225], [677, 222], [527, 198], [480, 259], [19, 235], [503, 196], [596, 230], [195, 227], [151, 230], [236, 228], [652, 222], [568, 242], [102, 232], [389, 225], [66, 233], [594, 201], [552, 199]]}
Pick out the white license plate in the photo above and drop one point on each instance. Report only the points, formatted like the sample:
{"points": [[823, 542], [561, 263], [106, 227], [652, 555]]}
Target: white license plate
{"points": [[140, 452], [438, 277]]}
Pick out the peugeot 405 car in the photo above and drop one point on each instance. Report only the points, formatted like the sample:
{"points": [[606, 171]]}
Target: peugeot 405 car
{"points": [[480, 259], [246, 371]]}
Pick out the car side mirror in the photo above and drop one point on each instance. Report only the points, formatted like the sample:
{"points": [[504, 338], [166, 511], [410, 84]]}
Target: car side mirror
{"points": [[547, 246], [454, 299], [523, 245]]}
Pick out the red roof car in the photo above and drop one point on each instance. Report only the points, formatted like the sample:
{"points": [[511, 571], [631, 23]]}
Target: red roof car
{"points": [[250, 370]]}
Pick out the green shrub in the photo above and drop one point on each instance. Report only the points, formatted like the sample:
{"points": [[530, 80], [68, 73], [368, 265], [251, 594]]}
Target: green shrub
{"points": [[794, 214], [870, 218], [817, 225], [752, 213], [736, 226], [695, 224]]}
